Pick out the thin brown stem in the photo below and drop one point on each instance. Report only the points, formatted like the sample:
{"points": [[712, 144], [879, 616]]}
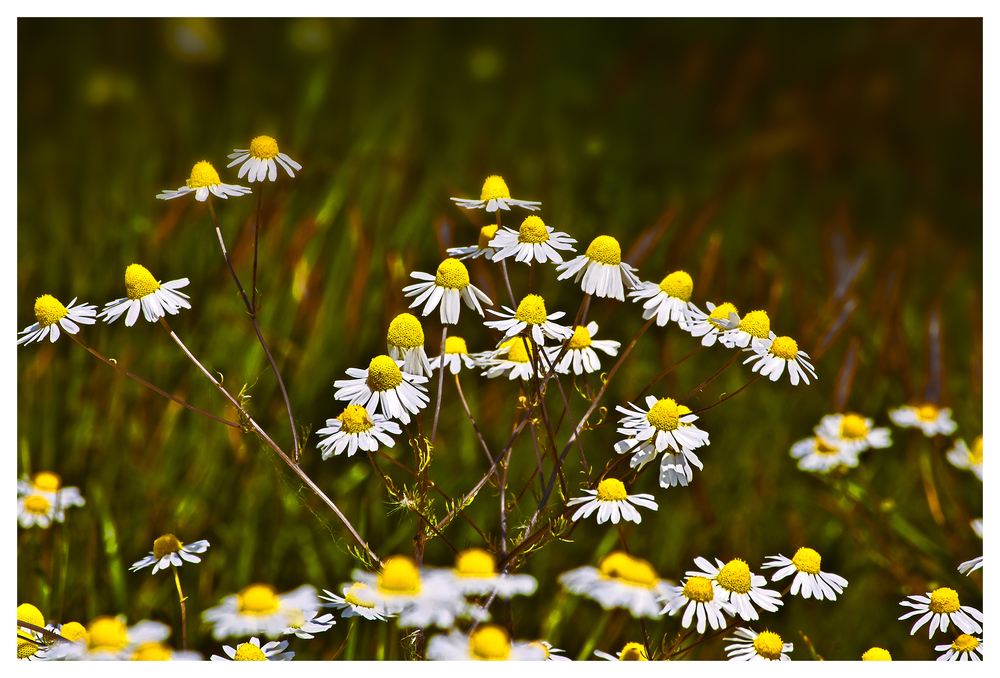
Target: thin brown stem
{"points": [[710, 379], [667, 371]]}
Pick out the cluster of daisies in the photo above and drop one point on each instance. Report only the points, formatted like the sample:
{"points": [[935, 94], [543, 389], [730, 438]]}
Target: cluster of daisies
{"points": [[42, 499]]}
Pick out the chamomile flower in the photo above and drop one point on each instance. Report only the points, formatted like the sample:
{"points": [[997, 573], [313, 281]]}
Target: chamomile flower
{"points": [[475, 573], [305, 623], [822, 455], [530, 314], [668, 301], [511, 358], [665, 425], [489, 642], [962, 457], [931, 419], [620, 581], [456, 353], [611, 501], [580, 353], [550, 652], [399, 393], [405, 340], [46, 650], [805, 565], [357, 601], [168, 550], [153, 298], [941, 606], [711, 326], [420, 596], [743, 589], [602, 269], [161, 652], [108, 638], [50, 315], [49, 485], [533, 241], [204, 180], [495, 195], [449, 285], [251, 651], [751, 330], [853, 433], [963, 648], [41, 507], [749, 645], [355, 429], [701, 597], [876, 654], [632, 652], [258, 609], [774, 354], [26, 612], [259, 160], [480, 249]]}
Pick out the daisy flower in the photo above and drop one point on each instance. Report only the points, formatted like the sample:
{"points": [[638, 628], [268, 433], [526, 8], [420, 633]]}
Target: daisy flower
{"points": [[773, 355], [939, 607], [45, 650], [752, 646], [420, 596], [961, 457], [251, 651], [822, 455], [475, 573], [550, 652], [664, 426], [40, 501], [50, 315], [399, 393], [963, 648], [610, 500], [876, 654], [711, 326], [306, 623], [49, 486], [495, 195], [743, 589], [489, 642], [805, 565], [480, 249], [620, 581], [670, 300], [750, 330], [931, 419], [160, 652], [602, 269], [357, 601], [204, 180], [446, 288], [533, 241], [108, 638], [405, 340], [28, 613], [512, 357], [456, 352], [580, 352], [698, 596], [168, 550], [258, 609], [852, 432], [259, 159], [530, 313], [145, 293], [355, 429], [632, 652]]}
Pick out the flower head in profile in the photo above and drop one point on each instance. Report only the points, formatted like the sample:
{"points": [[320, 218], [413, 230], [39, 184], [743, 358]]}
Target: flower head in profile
{"points": [[876, 654], [168, 550], [699, 597], [50, 315], [748, 645], [531, 315], [495, 195], [512, 358], [940, 607], [711, 326], [533, 241], [580, 355], [475, 573], [751, 330], [773, 355], [601, 267], [446, 288], [853, 433], [962, 457], [611, 501], [41, 499], [664, 426], [383, 385], [822, 455], [405, 341], [456, 354], [743, 589], [145, 293], [552, 654], [488, 642], [251, 651], [358, 601], [204, 180], [480, 249], [808, 578], [632, 652], [259, 160], [670, 301], [420, 596], [355, 429], [963, 648], [929, 418], [258, 609], [620, 580]]}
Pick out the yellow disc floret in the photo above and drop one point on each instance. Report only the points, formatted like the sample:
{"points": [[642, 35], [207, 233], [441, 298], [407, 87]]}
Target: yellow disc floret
{"points": [[976, 453], [487, 233], [257, 599], [452, 274], [36, 504], [853, 427], [248, 652], [106, 634], [264, 147], [531, 310], [784, 348], [699, 589], [139, 282], [611, 489], [494, 187], [735, 576], [580, 339], [46, 481], [26, 612], [623, 567], [489, 642], [399, 575], [876, 654], [26, 648], [720, 312], [203, 175], [166, 544], [475, 563], [806, 560], [633, 652], [605, 250], [680, 286], [518, 350], [964, 643], [73, 631], [405, 331], [757, 324], [359, 595], [533, 231], [151, 652], [355, 419], [928, 412], [768, 645], [944, 601], [455, 345], [383, 374], [49, 310], [664, 415]]}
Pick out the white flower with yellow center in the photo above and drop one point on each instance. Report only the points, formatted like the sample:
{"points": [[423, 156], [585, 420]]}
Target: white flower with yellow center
{"points": [[963, 648], [40, 500], [710, 326], [853, 432], [50, 315], [611, 501], [699, 597], [108, 638], [155, 299], [742, 588], [259, 160], [258, 609], [632, 652], [751, 330], [358, 601], [749, 645], [26, 612], [668, 301], [420, 596], [620, 581], [405, 340], [489, 642], [204, 180], [383, 383], [251, 651], [665, 425], [168, 550], [822, 455], [495, 195], [355, 429], [456, 353], [304, 624], [602, 269], [447, 287], [929, 418], [550, 652], [480, 249], [876, 654], [774, 354], [511, 358], [940, 607], [962, 457], [808, 578], [475, 573], [533, 241], [531, 314], [580, 352], [44, 649]]}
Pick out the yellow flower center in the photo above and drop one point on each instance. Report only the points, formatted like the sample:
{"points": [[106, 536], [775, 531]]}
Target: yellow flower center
{"points": [[455, 345], [26, 612], [822, 447], [73, 631], [533, 231], [806, 560], [48, 482], [36, 504], [487, 233], [735, 576], [139, 282], [49, 310], [383, 374], [699, 589], [296, 619], [784, 348], [257, 599], [853, 427], [876, 654], [531, 310], [490, 642], [580, 338], [964, 643], [518, 350], [623, 567], [944, 601], [355, 419], [25, 648], [757, 324], [354, 596], [452, 274], [928, 412], [721, 312], [203, 175], [664, 415], [106, 634], [405, 331], [475, 563], [605, 250], [248, 652], [168, 543], [976, 453], [611, 489], [152, 652], [399, 575], [768, 645], [680, 286], [264, 147], [494, 187], [633, 652]]}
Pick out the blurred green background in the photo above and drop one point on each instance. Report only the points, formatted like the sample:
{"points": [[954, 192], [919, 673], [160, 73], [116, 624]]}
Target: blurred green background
{"points": [[766, 154]]}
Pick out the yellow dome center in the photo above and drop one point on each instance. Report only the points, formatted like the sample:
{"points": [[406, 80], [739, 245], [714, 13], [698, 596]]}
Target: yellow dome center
{"points": [[633, 652], [768, 645], [680, 286], [296, 619], [735, 576], [611, 489], [151, 652], [166, 544], [405, 331], [944, 601], [605, 250], [359, 595], [355, 419], [46, 481], [976, 453], [487, 233], [533, 230], [107, 634], [49, 310], [264, 147], [25, 648], [489, 642], [475, 563], [383, 374], [494, 187], [452, 274], [699, 589], [73, 631], [853, 427], [757, 324], [784, 348], [248, 652], [876, 654], [664, 415], [36, 504], [257, 599], [928, 413], [721, 312], [518, 350], [203, 175], [139, 282], [806, 560], [531, 310], [623, 567], [964, 643], [399, 575], [455, 345], [580, 338], [26, 612]]}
